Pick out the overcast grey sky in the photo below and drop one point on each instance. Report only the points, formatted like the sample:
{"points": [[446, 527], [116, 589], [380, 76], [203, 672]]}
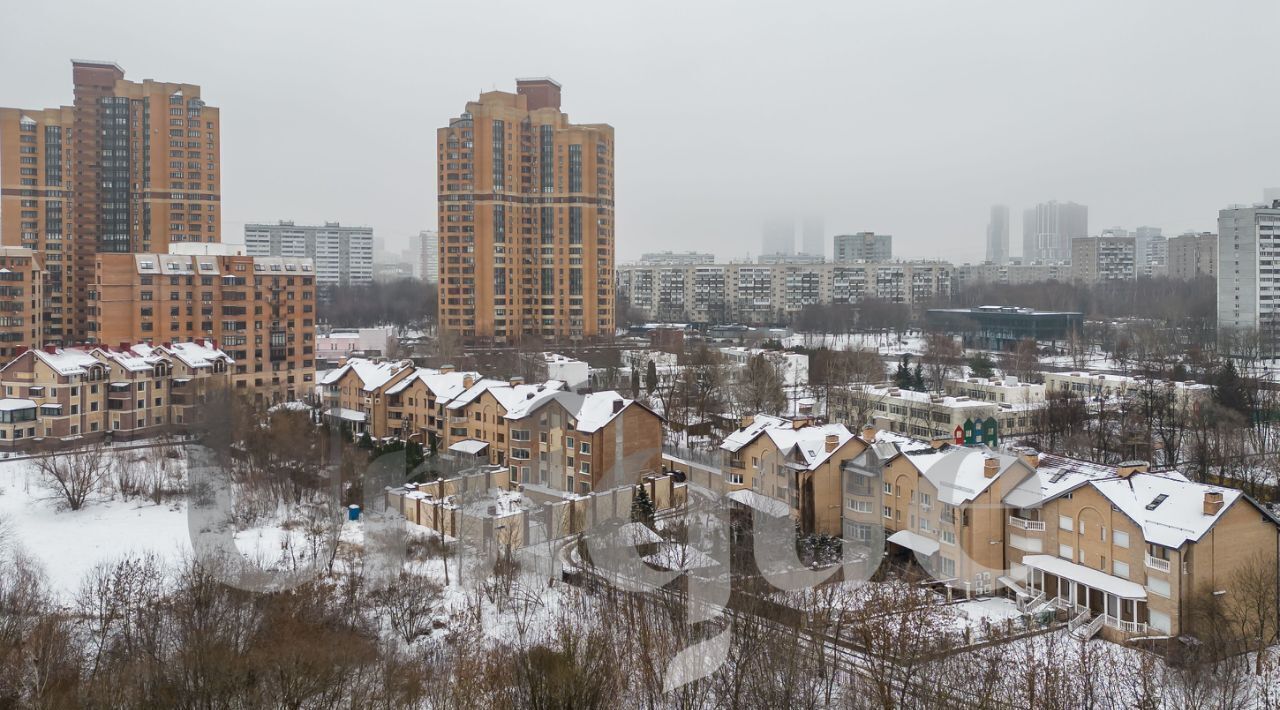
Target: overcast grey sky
{"points": [[903, 117]]}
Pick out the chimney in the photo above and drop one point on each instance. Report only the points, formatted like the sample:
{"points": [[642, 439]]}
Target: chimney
{"points": [[1127, 468], [51, 349], [446, 369], [167, 345], [940, 441], [124, 345], [1212, 502], [798, 423], [990, 467], [617, 405], [748, 420], [833, 440], [515, 380], [467, 381], [1030, 456], [19, 350], [868, 432]]}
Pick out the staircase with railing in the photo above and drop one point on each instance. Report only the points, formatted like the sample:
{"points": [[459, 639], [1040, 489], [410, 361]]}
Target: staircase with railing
{"points": [[1077, 621], [1092, 629], [1028, 604]]}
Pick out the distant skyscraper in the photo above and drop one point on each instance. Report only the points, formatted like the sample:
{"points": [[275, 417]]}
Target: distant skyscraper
{"points": [[813, 236], [526, 219], [1246, 291], [343, 255], [779, 237], [998, 235], [863, 246], [1047, 230], [429, 256], [1151, 252]]}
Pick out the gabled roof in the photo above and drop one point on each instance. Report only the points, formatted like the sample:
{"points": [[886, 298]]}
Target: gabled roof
{"points": [[372, 374], [809, 443], [1166, 505], [748, 434], [192, 354], [957, 473], [508, 395], [590, 412]]}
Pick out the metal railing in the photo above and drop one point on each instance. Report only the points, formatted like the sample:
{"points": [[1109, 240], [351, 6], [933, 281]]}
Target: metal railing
{"points": [[1024, 524]]}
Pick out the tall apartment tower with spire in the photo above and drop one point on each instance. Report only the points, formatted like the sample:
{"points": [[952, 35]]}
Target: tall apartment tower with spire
{"points": [[526, 220], [128, 167]]}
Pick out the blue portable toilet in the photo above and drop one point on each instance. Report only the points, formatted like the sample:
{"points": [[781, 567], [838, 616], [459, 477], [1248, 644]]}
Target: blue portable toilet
{"points": [[353, 512]]}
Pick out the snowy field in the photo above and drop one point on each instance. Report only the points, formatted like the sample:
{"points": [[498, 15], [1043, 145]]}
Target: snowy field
{"points": [[70, 543]]}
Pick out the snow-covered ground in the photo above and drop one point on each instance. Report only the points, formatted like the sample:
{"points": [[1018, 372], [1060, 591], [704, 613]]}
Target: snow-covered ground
{"points": [[69, 544]]}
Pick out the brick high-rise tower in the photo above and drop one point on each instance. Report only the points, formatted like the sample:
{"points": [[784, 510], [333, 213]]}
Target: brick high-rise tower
{"points": [[526, 222], [129, 167]]}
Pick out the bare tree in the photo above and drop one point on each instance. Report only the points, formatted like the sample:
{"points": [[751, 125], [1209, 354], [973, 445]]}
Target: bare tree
{"points": [[74, 477]]}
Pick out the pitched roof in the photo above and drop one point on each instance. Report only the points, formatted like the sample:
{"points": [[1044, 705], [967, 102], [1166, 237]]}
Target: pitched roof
{"points": [[1166, 505], [372, 374]]}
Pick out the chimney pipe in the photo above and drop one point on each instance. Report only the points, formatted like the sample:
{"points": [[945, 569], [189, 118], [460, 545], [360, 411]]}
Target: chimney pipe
{"points": [[990, 467], [1212, 502], [1127, 468], [617, 405], [51, 349], [833, 440], [868, 432]]}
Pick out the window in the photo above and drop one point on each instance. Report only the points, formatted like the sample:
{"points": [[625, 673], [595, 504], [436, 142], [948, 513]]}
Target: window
{"points": [[1159, 621], [858, 506], [948, 537], [568, 441], [586, 448], [1121, 539], [1065, 523], [1120, 569], [888, 488], [888, 512], [948, 567], [585, 468], [1159, 587], [926, 501], [735, 479], [1066, 552]]}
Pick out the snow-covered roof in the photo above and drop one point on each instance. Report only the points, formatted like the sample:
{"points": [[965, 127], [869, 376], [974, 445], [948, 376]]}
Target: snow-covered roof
{"points": [[958, 473], [1088, 576], [350, 415], [590, 412], [67, 361], [197, 354], [10, 404], [748, 434], [912, 541], [809, 442], [444, 385], [291, 405], [469, 446], [372, 374], [762, 503], [1166, 505]]}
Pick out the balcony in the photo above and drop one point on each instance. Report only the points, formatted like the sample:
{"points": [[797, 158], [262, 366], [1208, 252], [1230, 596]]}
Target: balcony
{"points": [[1128, 627], [1028, 525], [1157, 564]]}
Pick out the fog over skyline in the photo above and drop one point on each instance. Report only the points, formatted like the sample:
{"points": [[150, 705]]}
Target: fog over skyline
{"points": [[904, 118]]}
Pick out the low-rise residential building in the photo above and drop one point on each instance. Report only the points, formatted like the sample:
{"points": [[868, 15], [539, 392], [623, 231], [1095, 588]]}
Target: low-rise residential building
{"points": [[957, 417], [67, 394], [794, 461], [792, 367], [573, 444], [935, 502], [1130, 549], [333, 346], [572, 372], [1098, 385]]}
